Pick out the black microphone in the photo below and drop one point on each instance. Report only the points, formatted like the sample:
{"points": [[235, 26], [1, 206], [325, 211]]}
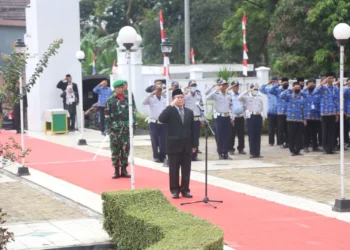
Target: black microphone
{"points": [[199, 107]]}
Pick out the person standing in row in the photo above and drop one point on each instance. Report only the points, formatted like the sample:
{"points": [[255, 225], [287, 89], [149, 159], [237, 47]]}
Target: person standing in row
{"points": [[295, 117], [281, 111], [271, 111], [117, 127], [312, 116], [222, 117], [157, 103], [62, 85], [71, 101], [329, 95], [180, 143], [103, 92], [255, 121], [194, 102], [238, 113]]}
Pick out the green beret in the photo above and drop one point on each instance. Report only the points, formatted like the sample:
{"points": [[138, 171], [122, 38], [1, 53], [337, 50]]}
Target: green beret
{"points": [[118, 83]]}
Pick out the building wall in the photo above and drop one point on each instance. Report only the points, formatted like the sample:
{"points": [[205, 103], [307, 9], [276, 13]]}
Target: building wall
{"points": [[8, 35]]}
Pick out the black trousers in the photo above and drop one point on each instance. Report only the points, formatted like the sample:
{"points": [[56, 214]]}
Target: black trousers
{"points": [[237, 130], [282, 129], [272, 122], [158, 140], [72, 109], [197, 133], [223, 129], [176, 161], [319, 135], [311, 131], [254, 125], [101, 111], [328, 133], [295, 133]]}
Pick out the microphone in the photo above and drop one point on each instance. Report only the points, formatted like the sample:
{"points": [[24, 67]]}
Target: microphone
{"points": [[199, 106]]}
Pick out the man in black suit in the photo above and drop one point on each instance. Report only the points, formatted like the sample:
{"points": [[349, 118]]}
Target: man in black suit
{"points": [[180, 143], [63, 86]]}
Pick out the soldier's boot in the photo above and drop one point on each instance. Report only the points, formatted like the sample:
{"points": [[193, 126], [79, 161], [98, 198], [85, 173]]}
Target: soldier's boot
{"points": [[116, 173], [124, 173]]}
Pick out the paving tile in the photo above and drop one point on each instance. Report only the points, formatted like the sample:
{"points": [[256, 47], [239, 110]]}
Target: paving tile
{"points": [[16, 245]]}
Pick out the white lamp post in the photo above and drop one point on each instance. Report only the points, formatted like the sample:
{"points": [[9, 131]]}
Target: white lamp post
{"points": [[341, 32], [128, 37], [20, 48], [166, 47], [80, 55]]}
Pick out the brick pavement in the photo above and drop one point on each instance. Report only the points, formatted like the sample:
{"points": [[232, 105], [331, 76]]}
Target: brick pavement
{"points": [[26, 202]]}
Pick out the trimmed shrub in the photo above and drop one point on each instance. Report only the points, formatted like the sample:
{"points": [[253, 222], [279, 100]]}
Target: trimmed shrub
{"points": [[145, 219]]}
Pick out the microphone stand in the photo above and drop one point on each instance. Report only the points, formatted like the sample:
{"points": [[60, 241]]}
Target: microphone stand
{"points": [[206, 199]]}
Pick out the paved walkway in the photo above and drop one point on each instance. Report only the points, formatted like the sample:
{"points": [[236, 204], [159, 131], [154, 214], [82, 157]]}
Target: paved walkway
{"points": [[250, 223]]}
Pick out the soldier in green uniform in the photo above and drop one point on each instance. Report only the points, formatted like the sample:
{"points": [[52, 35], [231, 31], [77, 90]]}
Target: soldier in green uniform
{"points": [[93, 118], [117, 127]]}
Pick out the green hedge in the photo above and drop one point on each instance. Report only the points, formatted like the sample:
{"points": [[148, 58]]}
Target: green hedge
{"points": [[145, 219]]}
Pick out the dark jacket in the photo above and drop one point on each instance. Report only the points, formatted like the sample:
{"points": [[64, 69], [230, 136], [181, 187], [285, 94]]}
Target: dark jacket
{"points": [[63, 86], [179, 135]]}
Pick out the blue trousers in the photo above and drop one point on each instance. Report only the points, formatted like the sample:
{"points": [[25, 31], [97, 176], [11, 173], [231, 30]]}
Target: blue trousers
{"points": [[158, 140], [223, 134], [254, 124]]}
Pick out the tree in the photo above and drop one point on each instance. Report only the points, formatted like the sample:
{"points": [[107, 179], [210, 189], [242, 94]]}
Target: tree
{"points": [[259, 15]]}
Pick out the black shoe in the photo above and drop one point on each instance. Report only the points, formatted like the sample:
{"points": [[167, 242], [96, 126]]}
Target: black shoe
{"points": [[292, 154], [175, 195], [187, 195], [124, 173], [271, 144], [259, 156], [226, 157], [116, 173], [242, 152]]}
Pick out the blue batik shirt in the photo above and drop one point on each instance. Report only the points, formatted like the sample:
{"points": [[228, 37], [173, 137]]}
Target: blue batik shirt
{"points": [[272, 100], [329, 99], [281, 104], [312, 105], [347, 101], [103, 95], [295, 106]]}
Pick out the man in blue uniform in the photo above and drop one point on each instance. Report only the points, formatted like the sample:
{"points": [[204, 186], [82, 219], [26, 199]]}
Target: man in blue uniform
{"points": [[255, 120], [271, 110], [329, 95], [295, 117], [193, 99], [281, 111], [157, 103], [312, 116], [238, 113], [223, 118]]}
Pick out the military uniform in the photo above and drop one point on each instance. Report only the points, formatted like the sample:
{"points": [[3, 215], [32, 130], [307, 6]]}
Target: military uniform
{"points": [[254, 115], [222, 120], [94, 117], [295, 119], [117, 126], [192, 99]]}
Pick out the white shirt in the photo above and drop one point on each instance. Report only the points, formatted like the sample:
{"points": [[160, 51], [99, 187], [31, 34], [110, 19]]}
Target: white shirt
{"points": [[156, 106], [191, 102]]}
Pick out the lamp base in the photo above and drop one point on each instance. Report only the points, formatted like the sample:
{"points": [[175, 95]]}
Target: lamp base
{"points": [[82, 142], [22, 171], [341, 205]]}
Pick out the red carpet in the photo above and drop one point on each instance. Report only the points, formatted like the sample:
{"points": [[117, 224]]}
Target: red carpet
{"points": [[249, 223]]}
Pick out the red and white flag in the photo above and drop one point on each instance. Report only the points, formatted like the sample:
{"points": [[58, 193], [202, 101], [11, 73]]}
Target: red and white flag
{"points": [[245, 48], [114, 68], [192, 56]]}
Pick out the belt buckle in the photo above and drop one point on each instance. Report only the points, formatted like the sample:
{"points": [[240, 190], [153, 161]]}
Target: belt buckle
{"points": [[225, 115]]}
